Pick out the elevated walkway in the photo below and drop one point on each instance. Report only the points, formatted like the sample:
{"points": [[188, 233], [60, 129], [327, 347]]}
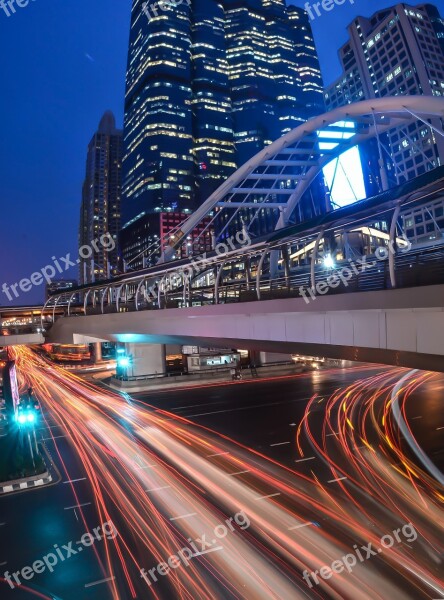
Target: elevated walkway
{"points": [[398, 327]]}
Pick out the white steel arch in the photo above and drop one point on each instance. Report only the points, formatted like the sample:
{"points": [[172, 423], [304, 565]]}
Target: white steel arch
{"points": [[296, 156]]}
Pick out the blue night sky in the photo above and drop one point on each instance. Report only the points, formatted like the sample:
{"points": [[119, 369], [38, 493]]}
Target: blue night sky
{"points": [[63, 65]]}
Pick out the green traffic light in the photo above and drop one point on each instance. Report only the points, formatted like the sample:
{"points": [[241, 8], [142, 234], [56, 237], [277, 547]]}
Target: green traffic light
{"points": [[123, 362]]}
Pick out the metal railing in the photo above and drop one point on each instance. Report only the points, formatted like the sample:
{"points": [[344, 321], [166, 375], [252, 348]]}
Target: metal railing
{"points": [[290, 264]]}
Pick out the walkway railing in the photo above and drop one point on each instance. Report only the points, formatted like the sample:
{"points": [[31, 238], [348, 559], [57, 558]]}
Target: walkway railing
{"points": [[355, 249]]}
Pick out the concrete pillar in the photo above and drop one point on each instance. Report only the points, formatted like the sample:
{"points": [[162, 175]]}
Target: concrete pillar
{"points": [[268, 358], [96, 354], [146, 359]]}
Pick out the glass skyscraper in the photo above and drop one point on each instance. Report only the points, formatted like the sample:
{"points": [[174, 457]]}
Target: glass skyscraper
{"points": [[209, 84], [397, 51], [101, 197]]}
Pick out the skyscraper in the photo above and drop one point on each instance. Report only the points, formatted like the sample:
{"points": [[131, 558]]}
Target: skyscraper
{"points": [[396, 51], [101, 196], [274, 71], [209, 83]]}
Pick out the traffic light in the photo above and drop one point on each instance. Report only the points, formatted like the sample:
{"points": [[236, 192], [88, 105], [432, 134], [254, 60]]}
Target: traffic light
{"points": [[123, 361], [21, 418], [26, 415]]}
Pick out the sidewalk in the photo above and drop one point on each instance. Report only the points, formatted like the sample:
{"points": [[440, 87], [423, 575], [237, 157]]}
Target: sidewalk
{"points": [[48, 477], [197, 380]]}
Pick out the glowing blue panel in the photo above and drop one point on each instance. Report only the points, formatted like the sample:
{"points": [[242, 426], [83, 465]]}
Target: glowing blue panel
{"points": [[344, 175]]}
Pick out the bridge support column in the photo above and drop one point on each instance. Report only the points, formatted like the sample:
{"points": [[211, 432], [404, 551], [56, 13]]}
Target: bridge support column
{"points": [[269, 358], [147, 359], [96, 354]]}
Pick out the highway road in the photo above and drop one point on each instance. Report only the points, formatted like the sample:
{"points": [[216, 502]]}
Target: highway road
{"points": [[298, 487]]}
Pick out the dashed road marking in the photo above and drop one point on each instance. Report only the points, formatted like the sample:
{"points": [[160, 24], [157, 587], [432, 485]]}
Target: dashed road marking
{"points": [[338, 479], [217, 454], [156, 489], [301, 525], [183, 516], [87, 585], [208, 551], [239, 472], [305, 459], [268, 496], [75, 480], [280, 444], [253, 406], [77, 506]]}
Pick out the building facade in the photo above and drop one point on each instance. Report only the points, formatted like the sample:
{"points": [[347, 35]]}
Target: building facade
{"points": [[101, 200], [209, 84], [143, 239], [396, 51]]}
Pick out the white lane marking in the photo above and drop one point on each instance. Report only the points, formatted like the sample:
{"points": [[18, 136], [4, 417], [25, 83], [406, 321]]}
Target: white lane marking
{"points": [[338, 479], [299, 526], [330, 434], [269, 496], [77, 506], [47, 427], [217, 454], [239, 472], [207, 551], [439, 428], [194, 405], [183, 516], [87, 585], [75, 480], [292, 424], [156, 489], [414, 418], [215, 412], [279, 444], [304, 459], [56, 437]]}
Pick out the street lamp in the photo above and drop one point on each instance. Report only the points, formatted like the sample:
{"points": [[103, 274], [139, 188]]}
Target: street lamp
{"points": [[329, 263]]}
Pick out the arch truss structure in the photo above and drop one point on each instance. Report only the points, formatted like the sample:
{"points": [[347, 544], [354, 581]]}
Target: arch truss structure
{"points": [[279, 175], [302, 256]]}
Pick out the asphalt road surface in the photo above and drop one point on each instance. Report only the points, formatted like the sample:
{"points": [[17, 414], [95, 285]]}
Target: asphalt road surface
{"points": [[297, 487]]}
